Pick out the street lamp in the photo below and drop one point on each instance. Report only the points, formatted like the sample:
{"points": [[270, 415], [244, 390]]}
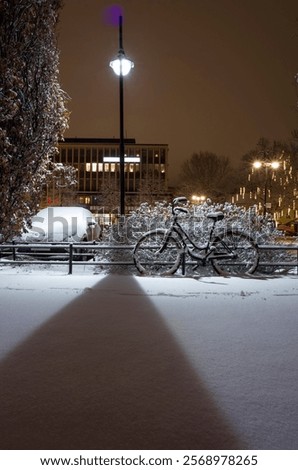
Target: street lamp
{"points": [[121, 66], [273, 165]]}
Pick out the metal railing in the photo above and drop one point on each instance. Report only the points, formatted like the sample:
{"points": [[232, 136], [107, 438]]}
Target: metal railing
{"points": [[280, 263], [68, 254], [71, 255]]}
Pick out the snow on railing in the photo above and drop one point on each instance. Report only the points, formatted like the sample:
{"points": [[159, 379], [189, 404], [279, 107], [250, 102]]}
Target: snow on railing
{"points": [[73, 254]]}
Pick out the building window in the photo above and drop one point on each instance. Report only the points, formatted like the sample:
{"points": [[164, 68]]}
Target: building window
{"points": [[94, 154], [85, 200], [150, 156], [144, 155]]}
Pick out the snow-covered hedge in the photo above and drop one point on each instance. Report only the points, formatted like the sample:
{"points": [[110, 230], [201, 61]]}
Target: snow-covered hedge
{"points": [[196, 223]]}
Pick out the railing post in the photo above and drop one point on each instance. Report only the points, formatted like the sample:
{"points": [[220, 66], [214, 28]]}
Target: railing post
{"points": [[13, 251], [70, 258], [183, 264]]}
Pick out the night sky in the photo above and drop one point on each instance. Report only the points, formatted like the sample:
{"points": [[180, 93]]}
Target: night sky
{"points": [[210, 75]]}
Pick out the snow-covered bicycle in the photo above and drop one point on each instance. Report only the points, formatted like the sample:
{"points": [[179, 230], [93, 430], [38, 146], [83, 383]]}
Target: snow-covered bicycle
{"points": [[161, 251]]}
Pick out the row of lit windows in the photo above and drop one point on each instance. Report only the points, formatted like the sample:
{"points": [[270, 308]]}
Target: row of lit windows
{"points": [[98, 166], [113, 167]]}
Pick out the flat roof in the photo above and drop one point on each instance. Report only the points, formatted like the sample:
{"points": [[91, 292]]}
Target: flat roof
{"points": [[95, 140], [104, 140]]}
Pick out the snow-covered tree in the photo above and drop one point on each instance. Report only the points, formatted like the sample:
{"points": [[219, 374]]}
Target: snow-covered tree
{"points": [[59, 183], [33, 115]]}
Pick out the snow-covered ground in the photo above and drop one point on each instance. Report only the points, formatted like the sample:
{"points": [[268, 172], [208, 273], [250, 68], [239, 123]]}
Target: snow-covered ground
{"points": [[127, 362]]}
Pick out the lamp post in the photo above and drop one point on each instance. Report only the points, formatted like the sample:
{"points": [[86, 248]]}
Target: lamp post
{"points": [[274, 165], [121, 66]]}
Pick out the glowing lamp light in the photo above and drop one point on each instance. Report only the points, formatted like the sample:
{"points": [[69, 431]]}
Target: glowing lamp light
{"points": [[121, 66], [199, 199], [274, 165]]}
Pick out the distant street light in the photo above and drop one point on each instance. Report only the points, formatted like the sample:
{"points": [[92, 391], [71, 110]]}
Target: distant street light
{"points": [[273, 165], [121, 66], [198, 199]]}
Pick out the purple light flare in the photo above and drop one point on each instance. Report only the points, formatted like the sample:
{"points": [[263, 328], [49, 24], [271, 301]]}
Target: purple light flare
{"points": [[111, 14]]}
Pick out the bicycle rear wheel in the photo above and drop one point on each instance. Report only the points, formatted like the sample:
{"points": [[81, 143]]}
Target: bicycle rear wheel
{"points": [[239, 253], [150, 260]]}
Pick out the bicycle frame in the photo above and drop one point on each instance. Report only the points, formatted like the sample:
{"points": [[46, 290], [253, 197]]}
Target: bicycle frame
{"points": [[184, 238]]}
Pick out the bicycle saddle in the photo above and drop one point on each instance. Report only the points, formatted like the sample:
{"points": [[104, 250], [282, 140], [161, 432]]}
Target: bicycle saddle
{"points": [[215, 216]]}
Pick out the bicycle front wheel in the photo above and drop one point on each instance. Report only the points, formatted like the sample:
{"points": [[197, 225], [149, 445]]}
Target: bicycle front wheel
{"points": [[153, 257], [235, 254]]}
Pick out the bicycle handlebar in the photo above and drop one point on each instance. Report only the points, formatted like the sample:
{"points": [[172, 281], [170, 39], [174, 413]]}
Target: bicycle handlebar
{"points": [[177, 209], [179, 199]]}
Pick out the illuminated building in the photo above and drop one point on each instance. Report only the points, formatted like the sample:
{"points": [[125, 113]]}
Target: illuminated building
{"points": [[96, 161]]}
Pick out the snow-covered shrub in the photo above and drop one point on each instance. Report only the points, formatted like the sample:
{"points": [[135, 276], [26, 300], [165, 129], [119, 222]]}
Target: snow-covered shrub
{"points": [[261, 229], [127, 232], [196, 223], [145, 218]]}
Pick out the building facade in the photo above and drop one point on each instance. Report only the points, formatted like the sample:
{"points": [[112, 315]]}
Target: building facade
{"points": [[97, 165]]}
